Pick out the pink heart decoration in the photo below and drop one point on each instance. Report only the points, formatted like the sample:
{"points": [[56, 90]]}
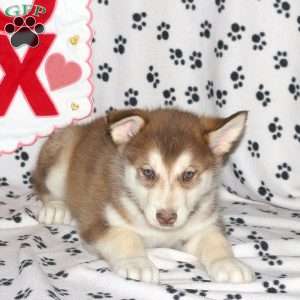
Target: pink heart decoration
{"points": [[61, 73]]}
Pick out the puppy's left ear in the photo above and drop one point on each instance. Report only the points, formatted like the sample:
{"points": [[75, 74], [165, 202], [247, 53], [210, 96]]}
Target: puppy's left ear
{"points": [[223, 134]]}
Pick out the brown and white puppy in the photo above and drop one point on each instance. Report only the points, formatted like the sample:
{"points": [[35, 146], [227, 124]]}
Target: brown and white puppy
{"points": [[139, 179]]}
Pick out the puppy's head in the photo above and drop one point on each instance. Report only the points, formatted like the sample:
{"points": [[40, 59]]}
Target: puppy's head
{"points": [[171, 159]]}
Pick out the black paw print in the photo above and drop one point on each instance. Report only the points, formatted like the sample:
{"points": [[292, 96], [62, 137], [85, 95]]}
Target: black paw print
{"points": [[27, 179], [284, 171], [220, 5], [163, 31], [297, 133], [12, 195], [100, 295], [15, 217], [3, 181], [120, 43], [280, 60], [263, 95], [192, 94], [274, 287], [24, 264], [233, 297], [153, 77], [237, 221], [70, 237], [282, 7], [236, 31], [169, 96], [61, 292], [189, 4], [177, 294], [103, 270], [205, 29], [139, 20], [195, 58], [24, 32], [53, 230], [275, 128], [176, 55], [262, 247], [264, 191], [2, 262], [238, 174], [58, 275], [294, 88], [73, 251], [105, 2], [104, 72], [6, 281], [23, 294], [220, 48], [221, 94], [131, 97], [259, 41], [22, 156], [229, 230], [186, 267], [237, 77], [200, 278], [210, 89], [46, 261], [39, 242], [253, 148]]}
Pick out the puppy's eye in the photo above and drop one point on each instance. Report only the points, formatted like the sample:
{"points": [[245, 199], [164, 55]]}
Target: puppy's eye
{"points": [[148, 173], [188, 175]]}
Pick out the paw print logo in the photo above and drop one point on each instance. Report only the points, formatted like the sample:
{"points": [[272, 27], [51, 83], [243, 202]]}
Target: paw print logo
{"points": [[262, 247], [236, 32], [210, 89], [24, 264], [192, 94], [294, 88], [73, 251], [280, 60], [177, 294], [264, 191], [205, 29], [46, 261], [221, 94], [28, 180], [282, 7], [186, 267], [39, 242], [237, 77], [104, 72], [274, 287], [275, 128], [233, 297], [237, 221], [253, 148], [284, 171], [163, 31], [263, 95], [189, 4], [21, 156], [24, 32], [70, 237], [176, 55], [153, 77], [100, 295], [220, 5], [120, 43], [238, 174], [220, 48], [58, 275], [297, 133], [200, 278], [131, 97], [169, 96], [195, 58], [12, 195], [23, 294], [3, 181], [259, 41], [139, 20]]}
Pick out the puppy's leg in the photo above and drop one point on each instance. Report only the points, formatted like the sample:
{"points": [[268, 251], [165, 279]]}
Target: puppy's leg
{"points": [[125, 252], [215, 253]]}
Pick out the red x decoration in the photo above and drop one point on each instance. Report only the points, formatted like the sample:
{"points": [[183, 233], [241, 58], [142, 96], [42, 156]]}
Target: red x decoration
{"points": [[23, 74]]}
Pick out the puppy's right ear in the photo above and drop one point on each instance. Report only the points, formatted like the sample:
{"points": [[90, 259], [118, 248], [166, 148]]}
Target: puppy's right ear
{"points": [[125, 124]]}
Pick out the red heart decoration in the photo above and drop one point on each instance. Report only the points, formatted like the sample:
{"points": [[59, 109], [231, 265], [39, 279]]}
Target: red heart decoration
{"points": [[61, 73]]}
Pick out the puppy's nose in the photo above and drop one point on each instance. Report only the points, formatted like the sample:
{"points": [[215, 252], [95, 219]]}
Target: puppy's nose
{"points": [[166, 217]]}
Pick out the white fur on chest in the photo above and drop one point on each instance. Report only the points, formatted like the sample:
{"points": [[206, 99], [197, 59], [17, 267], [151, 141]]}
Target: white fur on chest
{"points": [[154, 237]]}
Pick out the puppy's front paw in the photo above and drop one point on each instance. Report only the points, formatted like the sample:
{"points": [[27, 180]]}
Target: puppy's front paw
{"points": [[54, 212], [230, 270], [137, 268]]}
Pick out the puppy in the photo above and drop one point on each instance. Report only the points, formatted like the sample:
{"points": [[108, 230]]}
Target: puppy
{"points": [[139, 179]]}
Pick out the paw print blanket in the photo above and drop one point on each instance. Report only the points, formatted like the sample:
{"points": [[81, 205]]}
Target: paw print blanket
{"points": [[45, 71]]}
